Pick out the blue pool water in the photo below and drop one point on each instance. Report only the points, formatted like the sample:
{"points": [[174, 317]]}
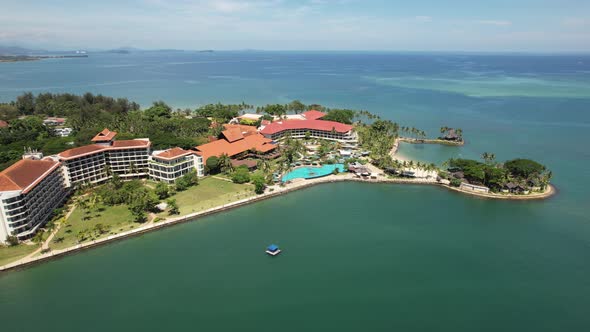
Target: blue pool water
{"points": [[312, 172]]}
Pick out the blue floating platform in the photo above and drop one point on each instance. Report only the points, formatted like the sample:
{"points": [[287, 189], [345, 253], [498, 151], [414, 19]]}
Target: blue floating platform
{"points": [[273, 250]]}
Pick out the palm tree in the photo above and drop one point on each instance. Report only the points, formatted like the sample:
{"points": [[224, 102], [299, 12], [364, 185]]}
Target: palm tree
{"points": [[225, 163], [488, 157], [264, 165]]}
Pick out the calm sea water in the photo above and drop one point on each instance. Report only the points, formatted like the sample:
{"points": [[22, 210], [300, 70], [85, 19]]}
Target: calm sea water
{"points": [[357, 256]]}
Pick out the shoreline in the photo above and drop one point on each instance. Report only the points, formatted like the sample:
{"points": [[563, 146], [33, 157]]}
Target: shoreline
{"points": [[297, 184]]}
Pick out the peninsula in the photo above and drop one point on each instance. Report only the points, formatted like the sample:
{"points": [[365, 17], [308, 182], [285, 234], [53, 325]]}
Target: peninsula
{"points": [[102, 169]]}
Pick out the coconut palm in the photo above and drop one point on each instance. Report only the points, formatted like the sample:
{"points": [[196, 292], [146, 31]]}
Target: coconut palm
{"points": [[225, 163], [488, 157]]}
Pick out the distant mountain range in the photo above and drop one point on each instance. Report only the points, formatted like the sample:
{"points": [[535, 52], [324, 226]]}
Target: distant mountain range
{"points": [[16, 50]]}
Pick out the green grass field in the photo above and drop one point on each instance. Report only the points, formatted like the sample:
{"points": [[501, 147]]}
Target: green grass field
{"points": [[115, 218], [11, 254], [210, 192]]}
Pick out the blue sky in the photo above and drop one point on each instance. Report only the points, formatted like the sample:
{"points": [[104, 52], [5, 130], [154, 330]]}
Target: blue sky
{"points": [[444, 25]]}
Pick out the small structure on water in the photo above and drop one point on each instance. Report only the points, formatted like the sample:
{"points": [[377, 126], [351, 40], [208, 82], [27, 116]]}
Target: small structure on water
{"points": [[273, 250]]}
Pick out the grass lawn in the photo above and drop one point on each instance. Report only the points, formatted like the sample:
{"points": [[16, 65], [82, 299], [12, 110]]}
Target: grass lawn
{"points": [[210, 192], [115, 218], [11, 254]]}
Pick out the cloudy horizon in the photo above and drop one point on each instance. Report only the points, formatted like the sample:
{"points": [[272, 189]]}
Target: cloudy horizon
{"points": [[423, 25]]}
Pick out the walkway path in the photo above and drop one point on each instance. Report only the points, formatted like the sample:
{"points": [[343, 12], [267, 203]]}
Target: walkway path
{"points": [[46, 243]]}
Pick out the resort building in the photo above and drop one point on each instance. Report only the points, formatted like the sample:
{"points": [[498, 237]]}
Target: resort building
{"points": [[29, 192], [53, 121], [238, 141], [310, 126], [169, 165], [97, 162]]}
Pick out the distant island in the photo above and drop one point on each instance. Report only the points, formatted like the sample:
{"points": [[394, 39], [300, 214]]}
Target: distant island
{"points": [[17, 58]]}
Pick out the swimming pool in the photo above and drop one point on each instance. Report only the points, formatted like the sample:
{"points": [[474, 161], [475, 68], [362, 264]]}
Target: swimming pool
{"points": [[310, 172]]}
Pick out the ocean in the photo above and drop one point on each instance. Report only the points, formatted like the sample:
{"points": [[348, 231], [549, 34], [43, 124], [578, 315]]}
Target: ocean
{"points": [[356, 256]]}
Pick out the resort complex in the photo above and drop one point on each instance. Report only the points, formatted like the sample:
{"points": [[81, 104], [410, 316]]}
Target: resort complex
{"points": [[270, 154]]}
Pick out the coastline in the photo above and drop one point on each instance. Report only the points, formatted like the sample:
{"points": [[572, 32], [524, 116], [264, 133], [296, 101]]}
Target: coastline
{"points": [[271, 192]]}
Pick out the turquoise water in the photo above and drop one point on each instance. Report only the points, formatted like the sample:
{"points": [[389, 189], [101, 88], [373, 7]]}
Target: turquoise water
{"points": [[312, 172], [356, 256]]}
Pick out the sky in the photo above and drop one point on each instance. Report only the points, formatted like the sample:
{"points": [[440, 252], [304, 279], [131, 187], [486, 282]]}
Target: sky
{"points": [[389, 25]]}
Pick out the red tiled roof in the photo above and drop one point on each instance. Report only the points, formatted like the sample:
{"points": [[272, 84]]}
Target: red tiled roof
{"points": [[96, 148], [313, 115], [3, 124], [283, 125], [80, 151], [247, 162], [245, 130], [25, 174], [104, 135], [233, 134], [173, 153], [131, 143], [219, 147]]}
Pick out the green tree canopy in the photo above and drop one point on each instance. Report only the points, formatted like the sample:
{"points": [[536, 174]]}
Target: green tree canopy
{"points": [[212, 164], [340, 115], [241, 175], [524, 167]]}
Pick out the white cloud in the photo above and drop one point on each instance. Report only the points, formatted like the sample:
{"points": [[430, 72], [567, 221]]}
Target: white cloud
{"points": [[576, 22], [499, 23], [423, 18]]}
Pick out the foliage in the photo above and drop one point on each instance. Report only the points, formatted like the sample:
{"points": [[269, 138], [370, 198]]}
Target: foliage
{"points": [[221, 112], [259, 183], [186, 181], [159, 109], [274, 109], [87, 115], [162, 190], [212, 164], [225, 164], [12, 240], [173, 206], [296, 107], [455, 182], [340, 115], [524, 167], [241, 175], [495, 176]]}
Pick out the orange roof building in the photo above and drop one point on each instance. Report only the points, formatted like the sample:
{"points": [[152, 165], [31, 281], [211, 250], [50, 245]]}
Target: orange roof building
{"points": [[235, 143], [3, 124], [29, 192]]}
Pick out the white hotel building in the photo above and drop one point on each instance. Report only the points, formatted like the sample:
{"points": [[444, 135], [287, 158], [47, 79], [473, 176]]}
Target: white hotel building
{"points": [[95, 163], [29, 192], [169, 165], [31, 189]]}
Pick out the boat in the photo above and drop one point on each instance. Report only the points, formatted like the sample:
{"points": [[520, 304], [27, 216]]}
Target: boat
{"points": [[273, 250]]}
